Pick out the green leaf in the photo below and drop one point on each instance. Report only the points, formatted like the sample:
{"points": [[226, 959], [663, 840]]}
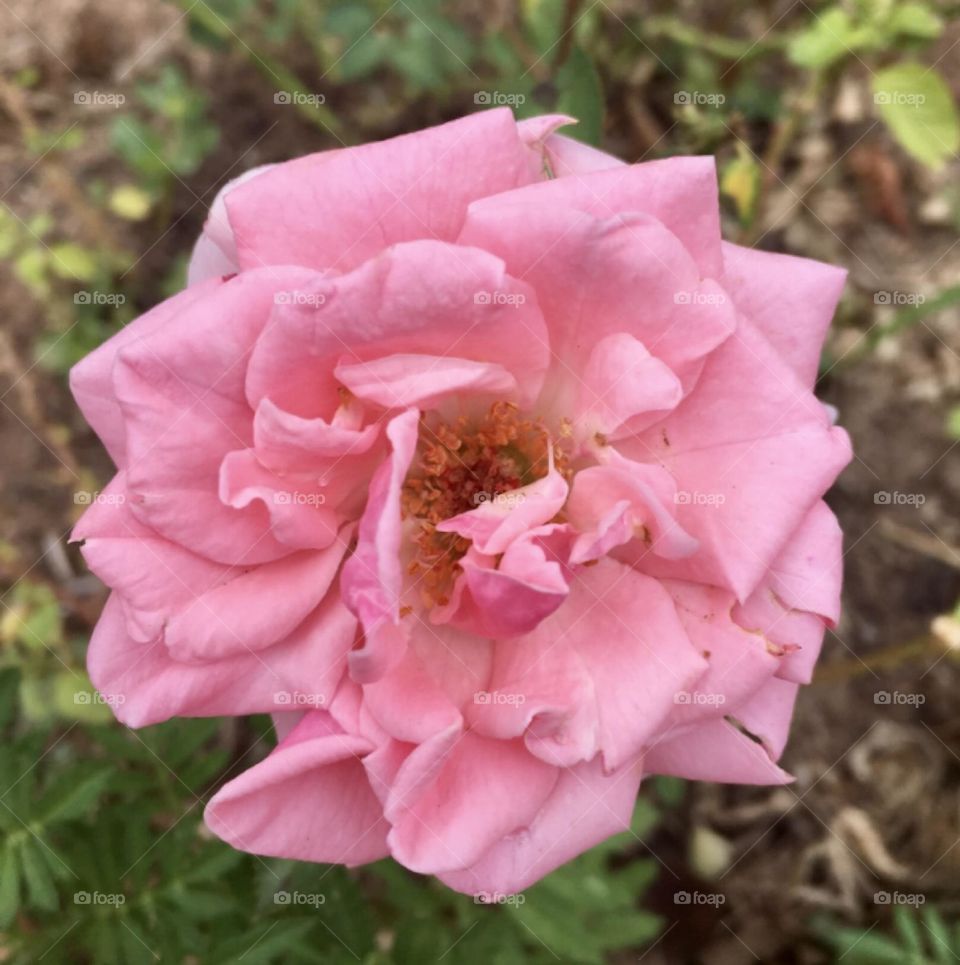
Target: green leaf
{"points": [[920, 111], [9, 886], [130, 202], [740, 181], [36, 871], [544, 19], [915, 20], [76, 796], [581, 96], [829, 38], [73, 261], [953, 422]]}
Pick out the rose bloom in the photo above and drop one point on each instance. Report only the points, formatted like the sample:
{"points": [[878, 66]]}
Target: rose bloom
{"points": [[479, 460]]}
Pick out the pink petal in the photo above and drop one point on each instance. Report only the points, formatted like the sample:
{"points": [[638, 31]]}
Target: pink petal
{"points": [[739, 662], [768, 713], [620, 501], [144, 685], [791, 300], [625, 273], [315, 781], [563, 156], [419, 298], [300, 516], [714, 751], [585, 807], [91, 379], [215, 252], [398, 381], [181, 391], [372, 577], [497, 522], [366, 198], [526, 586], [255, 609], [409, 704], [482, 790], [679, 192], [623, 655], [752, 451], [288, 443], [623, 380]]}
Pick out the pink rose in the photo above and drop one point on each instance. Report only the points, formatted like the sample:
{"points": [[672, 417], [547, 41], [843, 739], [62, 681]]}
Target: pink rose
{"points": [[478, 459]]}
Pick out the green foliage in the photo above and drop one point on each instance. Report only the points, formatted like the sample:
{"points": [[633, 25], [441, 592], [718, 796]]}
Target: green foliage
{"points": [[176, 138], [920, 111], [862, 27], [918, 937], [104, 858]]}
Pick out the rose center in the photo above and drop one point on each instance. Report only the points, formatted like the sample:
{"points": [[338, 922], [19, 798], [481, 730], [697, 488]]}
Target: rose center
{"points": [[459, 466]]}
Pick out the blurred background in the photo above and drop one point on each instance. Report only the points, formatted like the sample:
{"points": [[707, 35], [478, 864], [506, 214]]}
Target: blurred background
{"points": [[835, 126]]}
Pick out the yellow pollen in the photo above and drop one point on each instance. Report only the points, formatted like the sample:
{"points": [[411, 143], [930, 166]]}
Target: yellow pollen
{"points": [[460, 465]]}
